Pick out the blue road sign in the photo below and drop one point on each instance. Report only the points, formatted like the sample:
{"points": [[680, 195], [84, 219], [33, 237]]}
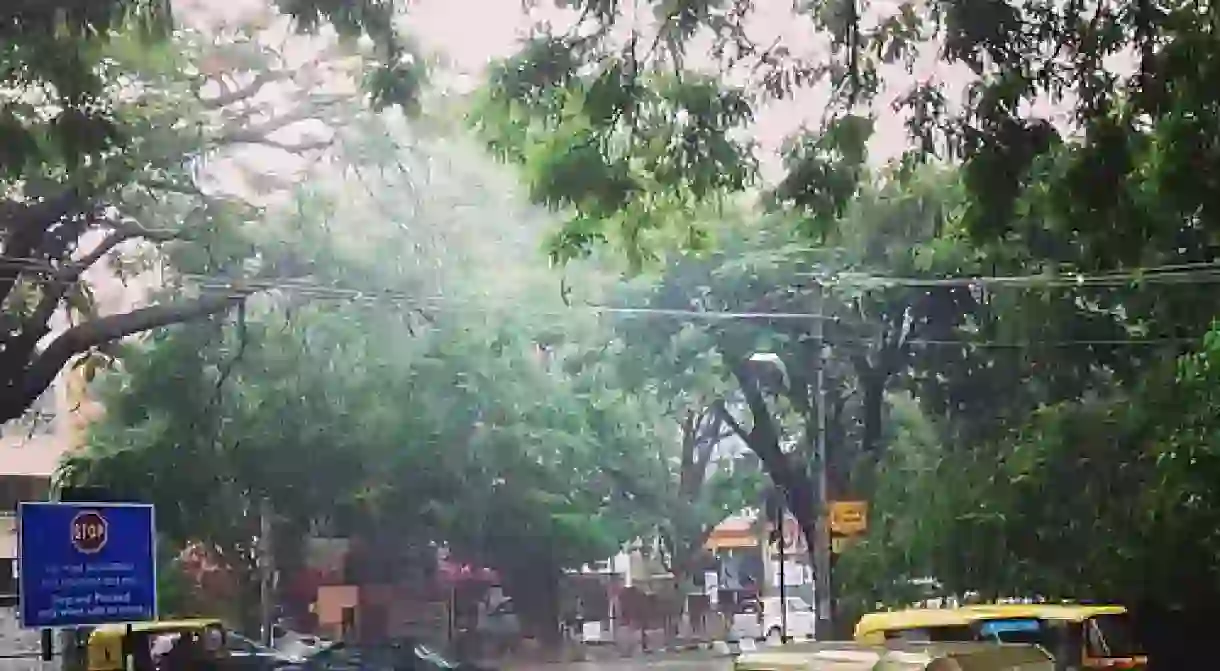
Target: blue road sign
{"points": [[85, 564]]}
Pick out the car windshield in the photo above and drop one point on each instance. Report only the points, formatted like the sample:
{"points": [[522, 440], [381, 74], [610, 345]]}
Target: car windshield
{"points": [[1015, 631]]}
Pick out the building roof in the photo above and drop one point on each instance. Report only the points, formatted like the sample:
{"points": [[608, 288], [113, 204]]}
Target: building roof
{"points": [[736, 531]]}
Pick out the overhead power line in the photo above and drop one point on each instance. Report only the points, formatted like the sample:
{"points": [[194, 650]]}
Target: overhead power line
{"points": [[1180, 273], [441, 304], [1197, 273], [1185, 273]]}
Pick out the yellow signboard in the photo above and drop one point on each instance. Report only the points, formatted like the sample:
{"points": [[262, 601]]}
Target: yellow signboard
{"points": [[849, 518]]}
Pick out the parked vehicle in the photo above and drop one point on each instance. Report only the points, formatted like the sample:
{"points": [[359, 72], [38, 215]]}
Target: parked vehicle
{"points": [[247, 655], [402, 655], [297, 644], [765, 619], [148, 646], [500, 622], [898, 657], [1079, 637]]}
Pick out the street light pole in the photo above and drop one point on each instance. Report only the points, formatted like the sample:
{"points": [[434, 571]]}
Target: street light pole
{"points": [[822, 584], [783, 584], [266, 573]]}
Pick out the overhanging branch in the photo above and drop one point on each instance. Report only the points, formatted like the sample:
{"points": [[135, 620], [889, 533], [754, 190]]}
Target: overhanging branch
{"points": [[81, 338], [728, 418], [241, 93], [291, 147], [38, 323], [27, 224], [258, 133]]}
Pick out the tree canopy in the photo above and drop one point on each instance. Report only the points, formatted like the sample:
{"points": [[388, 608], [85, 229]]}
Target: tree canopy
{"points": [[1027, 266], [1010, 314], [112, 109]]}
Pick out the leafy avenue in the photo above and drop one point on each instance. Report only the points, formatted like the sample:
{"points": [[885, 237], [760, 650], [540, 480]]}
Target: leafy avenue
{"points": [[1003, 330]]}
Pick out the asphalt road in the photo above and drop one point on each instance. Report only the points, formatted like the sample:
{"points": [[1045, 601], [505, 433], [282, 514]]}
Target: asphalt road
{"points": [[691, 661]]}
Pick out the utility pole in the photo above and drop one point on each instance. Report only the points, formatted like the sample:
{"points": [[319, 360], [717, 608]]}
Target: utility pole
{"points": [[777, 510], [266, 572], [822, 584], [783, 588]]}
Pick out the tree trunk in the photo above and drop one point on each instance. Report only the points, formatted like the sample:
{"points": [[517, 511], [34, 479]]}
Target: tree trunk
{"points": [[874, 401], [534, 588]]}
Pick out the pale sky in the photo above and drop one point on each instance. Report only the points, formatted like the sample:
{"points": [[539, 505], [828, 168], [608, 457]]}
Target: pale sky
{"points": [[471, 33], [448, 26]]}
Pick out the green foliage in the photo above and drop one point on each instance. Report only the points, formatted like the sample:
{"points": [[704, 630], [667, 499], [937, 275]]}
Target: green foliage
{"points": [[340, 417], [397, 76], [63, 111], [108, 141], [1046, 445], [627, 155]]}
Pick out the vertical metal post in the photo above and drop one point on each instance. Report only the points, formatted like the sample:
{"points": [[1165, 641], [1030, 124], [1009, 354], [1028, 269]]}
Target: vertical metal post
{"points": [[783, 582], [821, 577], [266, 567], [48, 645]]}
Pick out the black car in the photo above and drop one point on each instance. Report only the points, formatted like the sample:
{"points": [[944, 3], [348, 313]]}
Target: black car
{"points": [[249, 655], [402, 655]]}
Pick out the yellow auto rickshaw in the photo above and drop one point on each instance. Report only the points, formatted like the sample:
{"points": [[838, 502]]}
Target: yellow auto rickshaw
{"points": [[1088, 637], [899, 656], [137, 647]]}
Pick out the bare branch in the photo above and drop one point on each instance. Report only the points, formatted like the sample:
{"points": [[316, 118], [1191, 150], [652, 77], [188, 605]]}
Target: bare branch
{"points": [[81, 338], [258, 133], [292, 148], [57, 287], [233, 96], [710, 433], [728, 418]]}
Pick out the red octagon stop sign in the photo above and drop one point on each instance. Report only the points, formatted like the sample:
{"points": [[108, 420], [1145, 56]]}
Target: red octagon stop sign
{"points": [[89, 531]]}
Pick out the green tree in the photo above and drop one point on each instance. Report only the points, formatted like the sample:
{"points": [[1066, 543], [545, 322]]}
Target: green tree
{"points": [[426, 365], [106, 129], [332, 416], [648, 115]]}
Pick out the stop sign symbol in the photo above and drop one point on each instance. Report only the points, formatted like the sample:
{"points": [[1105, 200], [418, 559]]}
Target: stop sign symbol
{"points": [[89, 530]]}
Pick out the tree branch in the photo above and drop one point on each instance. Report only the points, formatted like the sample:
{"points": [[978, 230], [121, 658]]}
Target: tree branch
{"points": [[257, 134], [728, 418], [686, 462], [762, 429], [292, 148], [243, 92], [26, 224], [57, 287], [710, 434], [79, 339]]}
